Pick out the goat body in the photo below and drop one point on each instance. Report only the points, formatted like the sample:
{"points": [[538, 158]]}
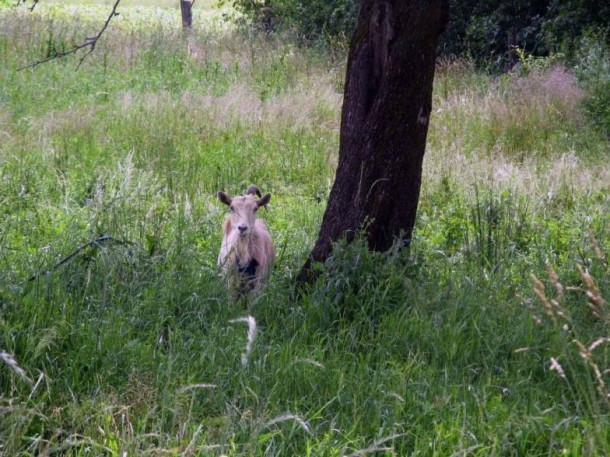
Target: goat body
{"points": [[247, 252]]}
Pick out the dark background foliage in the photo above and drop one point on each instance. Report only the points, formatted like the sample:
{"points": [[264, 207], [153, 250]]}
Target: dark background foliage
{"points": [[484, 30]]}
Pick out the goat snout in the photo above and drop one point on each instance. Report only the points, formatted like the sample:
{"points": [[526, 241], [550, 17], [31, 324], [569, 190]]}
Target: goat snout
{"points": [[242, 228]]}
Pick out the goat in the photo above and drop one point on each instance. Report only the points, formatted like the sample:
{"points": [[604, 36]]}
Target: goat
{"points": [[247, 252]]}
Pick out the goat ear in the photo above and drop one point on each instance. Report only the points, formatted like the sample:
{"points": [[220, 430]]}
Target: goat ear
{"points": [[224, 198], [263, 201]]}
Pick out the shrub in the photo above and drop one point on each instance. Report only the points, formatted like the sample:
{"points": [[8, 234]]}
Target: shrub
{"points": [[311, 19], [593, 72]]}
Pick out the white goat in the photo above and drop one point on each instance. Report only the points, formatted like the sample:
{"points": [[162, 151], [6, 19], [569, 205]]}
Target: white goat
{"points": [[247, 252]]}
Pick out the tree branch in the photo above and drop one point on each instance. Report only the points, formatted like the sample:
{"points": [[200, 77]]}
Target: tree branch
{"points": [[31, 8], [89, 42], [95, 241]]}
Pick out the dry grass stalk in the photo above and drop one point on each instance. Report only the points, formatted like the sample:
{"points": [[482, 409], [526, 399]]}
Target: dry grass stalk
{"points": [[193, 440], [596, 249], [553, 310], [196, 386], [554, 277], [596, 301], [10, 360], [376, 447], [552, 307], [35, 387], [587, 354], [252, 332], [598, 342], [288, 416], [599, 310], [453, 66], [541, 294], [555, 366], [310, 362]]}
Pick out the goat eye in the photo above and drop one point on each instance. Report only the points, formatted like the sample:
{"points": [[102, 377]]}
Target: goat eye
{"points": [[232, 209]]}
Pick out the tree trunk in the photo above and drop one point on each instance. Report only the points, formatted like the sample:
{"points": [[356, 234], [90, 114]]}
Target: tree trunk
{"points": [[386, 108], [186, 8]]}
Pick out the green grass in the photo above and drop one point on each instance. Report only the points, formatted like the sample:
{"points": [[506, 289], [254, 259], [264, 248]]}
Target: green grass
{"points": [[202, 4], [130, 346]]}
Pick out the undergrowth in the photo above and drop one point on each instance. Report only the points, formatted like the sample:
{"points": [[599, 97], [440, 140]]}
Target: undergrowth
{"points": [[117, 336]]}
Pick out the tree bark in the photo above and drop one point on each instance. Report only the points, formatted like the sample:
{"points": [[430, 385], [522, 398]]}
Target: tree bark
{"points": [[186, 8], [384, 124]]}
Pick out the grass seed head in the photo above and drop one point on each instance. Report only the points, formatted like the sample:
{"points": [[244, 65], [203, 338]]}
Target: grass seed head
{"points": [[10, 360]]}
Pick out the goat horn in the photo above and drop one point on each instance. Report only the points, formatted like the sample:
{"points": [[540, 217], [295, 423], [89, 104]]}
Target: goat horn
{"points": [[254, 190]]}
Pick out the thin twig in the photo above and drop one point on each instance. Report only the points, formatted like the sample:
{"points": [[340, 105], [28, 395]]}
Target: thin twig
{"points": [[31, 8], [89, 42], [101, 239]]}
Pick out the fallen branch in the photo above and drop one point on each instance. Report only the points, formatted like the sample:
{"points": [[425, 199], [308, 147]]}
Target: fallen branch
{"points": [[89, 42], [95, 241]]}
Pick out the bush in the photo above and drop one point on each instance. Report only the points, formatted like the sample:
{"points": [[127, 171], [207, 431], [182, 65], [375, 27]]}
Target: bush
{"points": [[311, 19], [488, 32], [593, 72]]}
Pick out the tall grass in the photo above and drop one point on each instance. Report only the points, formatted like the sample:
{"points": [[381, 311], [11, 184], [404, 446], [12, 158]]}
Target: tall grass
{"points": [[118, 338]]}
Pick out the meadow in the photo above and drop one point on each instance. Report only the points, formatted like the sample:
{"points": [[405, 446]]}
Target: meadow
{"points": [[488, 337]]}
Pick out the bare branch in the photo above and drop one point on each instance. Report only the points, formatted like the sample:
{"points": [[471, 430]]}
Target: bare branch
{"points": [[95, 241], [31, 8], [89, 42]]}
